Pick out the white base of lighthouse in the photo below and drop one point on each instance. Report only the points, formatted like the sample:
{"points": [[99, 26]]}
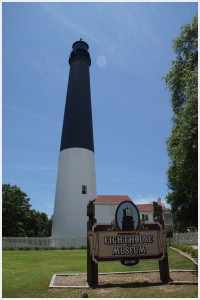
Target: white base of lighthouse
{"points": [[76, 186]]}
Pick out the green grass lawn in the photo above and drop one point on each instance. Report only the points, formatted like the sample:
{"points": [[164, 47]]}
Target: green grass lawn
{"points": [[28, 274]]}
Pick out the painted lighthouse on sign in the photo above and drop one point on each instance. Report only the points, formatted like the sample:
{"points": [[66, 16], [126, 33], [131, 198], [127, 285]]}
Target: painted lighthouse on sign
{"points": [[76, 178]]}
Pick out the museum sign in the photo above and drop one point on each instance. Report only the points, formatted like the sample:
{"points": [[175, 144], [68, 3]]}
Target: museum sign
{"points": [[126, 239], [131, 245]]}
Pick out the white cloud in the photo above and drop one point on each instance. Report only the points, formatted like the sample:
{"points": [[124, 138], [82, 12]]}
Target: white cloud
{"points": [[145, 200], [34, 168], [30, 114], [101, 61], [148, 200], [42, 185], [119, 30], [62, 16]]}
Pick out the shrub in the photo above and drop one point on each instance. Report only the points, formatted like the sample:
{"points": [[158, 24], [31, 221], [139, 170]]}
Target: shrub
{"points": [[83, 247], [190, 250], [194, 252]]}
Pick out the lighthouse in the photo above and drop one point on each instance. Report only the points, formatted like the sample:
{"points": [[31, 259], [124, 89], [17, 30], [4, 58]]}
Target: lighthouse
{"points": [[127, 220], [76, 178]]}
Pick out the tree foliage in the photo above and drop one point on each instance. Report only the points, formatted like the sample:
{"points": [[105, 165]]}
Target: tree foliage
{"points": [[182, 145], [17, 217]]}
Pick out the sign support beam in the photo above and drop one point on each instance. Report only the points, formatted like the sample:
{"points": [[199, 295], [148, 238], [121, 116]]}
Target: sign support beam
{"points": [[164, 269], [163, 264], [92, 267]]}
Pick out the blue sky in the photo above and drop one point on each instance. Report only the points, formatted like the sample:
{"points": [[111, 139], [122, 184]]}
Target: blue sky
{"points": [[131, 51]]}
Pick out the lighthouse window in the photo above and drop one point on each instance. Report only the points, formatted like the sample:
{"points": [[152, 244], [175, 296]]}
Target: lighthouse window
{"points": [[84, 189]]}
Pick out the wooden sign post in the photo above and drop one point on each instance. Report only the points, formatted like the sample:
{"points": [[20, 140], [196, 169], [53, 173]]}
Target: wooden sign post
{"points": [[163, 263], [92, 267]]}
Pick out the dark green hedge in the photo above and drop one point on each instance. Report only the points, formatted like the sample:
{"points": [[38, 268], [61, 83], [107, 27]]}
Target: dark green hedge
{"points": [[184, 248]]}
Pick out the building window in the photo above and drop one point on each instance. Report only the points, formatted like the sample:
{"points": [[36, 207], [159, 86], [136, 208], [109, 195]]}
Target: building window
{"points": [[167, 219], [84, 189], [145, 217]]}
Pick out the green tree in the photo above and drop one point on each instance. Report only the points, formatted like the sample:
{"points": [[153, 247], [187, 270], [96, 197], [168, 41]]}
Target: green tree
{"points": [[15, 211], [49, 227], [17, 217], [38, 224], [182, 145]]}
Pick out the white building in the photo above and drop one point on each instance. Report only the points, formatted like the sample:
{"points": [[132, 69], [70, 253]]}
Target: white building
{"points": [[106, 205]]}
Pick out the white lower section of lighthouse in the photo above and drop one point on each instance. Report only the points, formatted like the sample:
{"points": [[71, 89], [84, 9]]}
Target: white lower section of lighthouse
{"points": [[76, 186]]}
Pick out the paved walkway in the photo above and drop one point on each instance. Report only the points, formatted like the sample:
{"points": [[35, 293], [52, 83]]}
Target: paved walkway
{"points": [[195, 247]]}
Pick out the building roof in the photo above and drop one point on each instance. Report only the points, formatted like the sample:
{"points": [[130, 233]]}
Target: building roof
{"points": [[148, 207], [112, 198], [106, 199], [145, 207]]}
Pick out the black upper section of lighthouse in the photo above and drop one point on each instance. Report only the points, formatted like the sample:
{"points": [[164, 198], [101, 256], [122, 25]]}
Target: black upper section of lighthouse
{"points": [[77, 129], [80, 48]]}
